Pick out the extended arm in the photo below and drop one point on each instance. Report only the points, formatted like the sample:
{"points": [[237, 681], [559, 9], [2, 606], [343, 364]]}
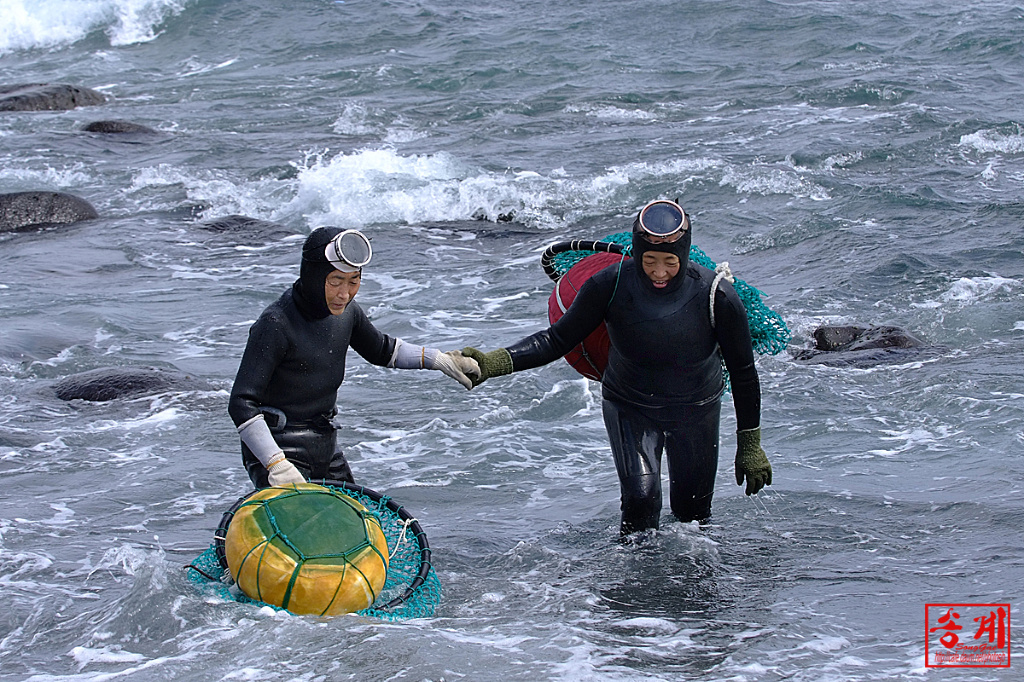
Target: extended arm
{"points": [[733, 333], [381, 349], [583, 316]]}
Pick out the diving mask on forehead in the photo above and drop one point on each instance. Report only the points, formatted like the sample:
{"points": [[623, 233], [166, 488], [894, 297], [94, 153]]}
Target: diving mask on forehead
{"points": [[663, 218], [348, 251]]}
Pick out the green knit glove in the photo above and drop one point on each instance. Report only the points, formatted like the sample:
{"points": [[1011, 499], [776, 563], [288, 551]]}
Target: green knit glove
{"points": [[751, 462], [494, 364]]}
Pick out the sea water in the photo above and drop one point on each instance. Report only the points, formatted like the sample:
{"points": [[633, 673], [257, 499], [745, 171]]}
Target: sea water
{"points": [[857, 162]]}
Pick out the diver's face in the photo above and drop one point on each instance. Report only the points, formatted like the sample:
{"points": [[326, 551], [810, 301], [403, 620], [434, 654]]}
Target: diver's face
{"points": [[660, 267], [340, 288]]}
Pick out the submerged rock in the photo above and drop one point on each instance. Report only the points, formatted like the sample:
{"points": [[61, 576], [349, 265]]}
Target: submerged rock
{"points": [[118, 127], [19, 210], [109, 383], [47, 97], [864, 346], [244, 228]]}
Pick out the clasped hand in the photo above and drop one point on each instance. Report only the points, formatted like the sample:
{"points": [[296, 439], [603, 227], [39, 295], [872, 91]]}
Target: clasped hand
{"points": [[464, 370]]}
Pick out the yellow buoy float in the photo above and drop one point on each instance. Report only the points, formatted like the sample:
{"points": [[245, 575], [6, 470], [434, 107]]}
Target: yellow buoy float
{"points": [[308, 549]]}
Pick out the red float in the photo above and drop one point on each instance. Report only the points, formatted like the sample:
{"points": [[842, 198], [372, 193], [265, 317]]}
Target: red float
{"points": [[590, 357]]}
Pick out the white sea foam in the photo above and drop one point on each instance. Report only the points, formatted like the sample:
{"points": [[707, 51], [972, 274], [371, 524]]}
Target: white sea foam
{"points": [[357, 119], [31, 24], [109, 654], [607, 111], [229, 194], [968, 291], [767, 181], [382, 186], [14, 566], [825, 643], [972, 289], [989, 141], [14, 175]]}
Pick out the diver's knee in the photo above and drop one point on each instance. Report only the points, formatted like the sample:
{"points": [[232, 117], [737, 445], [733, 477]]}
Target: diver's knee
{"points": [[692, 508]]}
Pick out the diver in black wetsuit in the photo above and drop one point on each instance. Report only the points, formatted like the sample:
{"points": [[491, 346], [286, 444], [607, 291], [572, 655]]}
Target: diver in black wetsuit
{"points": [[663, 383], [284, 395]]}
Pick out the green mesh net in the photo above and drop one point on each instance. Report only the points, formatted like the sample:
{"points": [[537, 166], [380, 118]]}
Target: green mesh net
{"points": [[768, 331], [411, 589]]}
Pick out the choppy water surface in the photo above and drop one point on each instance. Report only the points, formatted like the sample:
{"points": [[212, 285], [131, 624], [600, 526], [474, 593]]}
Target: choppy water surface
{"points": [[856, 162]]}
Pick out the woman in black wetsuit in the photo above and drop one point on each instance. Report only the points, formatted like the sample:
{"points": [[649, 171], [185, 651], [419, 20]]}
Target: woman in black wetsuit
{"points": [[285, 392], [663, 383]]}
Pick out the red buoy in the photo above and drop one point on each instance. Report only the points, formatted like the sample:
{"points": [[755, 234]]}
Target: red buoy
{"points": [[590, 357]]}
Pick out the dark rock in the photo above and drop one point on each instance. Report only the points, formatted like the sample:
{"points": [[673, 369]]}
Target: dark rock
{"points": [[109, 383], [859, 346], [20, 210], [884, 337], [118, 127], [47, 97], [836, 338], [245, 226]]}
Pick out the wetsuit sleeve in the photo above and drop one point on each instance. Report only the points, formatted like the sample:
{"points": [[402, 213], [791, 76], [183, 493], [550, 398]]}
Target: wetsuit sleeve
{"points": [[264, 351], [583, 316], [374, 346], [733, 333]]}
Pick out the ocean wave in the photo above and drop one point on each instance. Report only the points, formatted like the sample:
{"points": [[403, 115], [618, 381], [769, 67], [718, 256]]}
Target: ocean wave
{"points": [[970, 290], [990, 141], [768, 181], [225, 194], [382, 186], [49, 23], [16, 177], [607, 111]]}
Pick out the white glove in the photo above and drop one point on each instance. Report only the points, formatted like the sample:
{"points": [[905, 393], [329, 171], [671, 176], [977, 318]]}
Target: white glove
{"points": [[257, 437], [452, 363], [283, 472], [458, 367]]}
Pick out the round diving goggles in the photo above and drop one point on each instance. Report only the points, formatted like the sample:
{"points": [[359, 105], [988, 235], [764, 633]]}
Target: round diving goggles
{"points": [[663, 218], [349, 251]]}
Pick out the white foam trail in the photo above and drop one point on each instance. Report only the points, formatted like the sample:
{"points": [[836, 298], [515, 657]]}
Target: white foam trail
{"points": [[29, 24], [994, 142]]}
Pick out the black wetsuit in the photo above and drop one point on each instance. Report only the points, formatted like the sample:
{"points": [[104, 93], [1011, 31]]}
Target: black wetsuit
{"points": [[294, 363], [663, 383]]}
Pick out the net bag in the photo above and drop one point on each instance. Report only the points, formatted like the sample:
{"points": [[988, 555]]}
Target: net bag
{"points": [[569, 264], [410, 589]]}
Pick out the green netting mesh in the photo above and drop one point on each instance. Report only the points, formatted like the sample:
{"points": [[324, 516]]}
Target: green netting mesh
{"points": [[767, 329], [411, 590]]}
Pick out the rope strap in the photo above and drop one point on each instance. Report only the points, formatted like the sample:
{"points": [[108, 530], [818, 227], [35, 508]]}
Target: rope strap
{"points": [[722, 271], [401, 537]]}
